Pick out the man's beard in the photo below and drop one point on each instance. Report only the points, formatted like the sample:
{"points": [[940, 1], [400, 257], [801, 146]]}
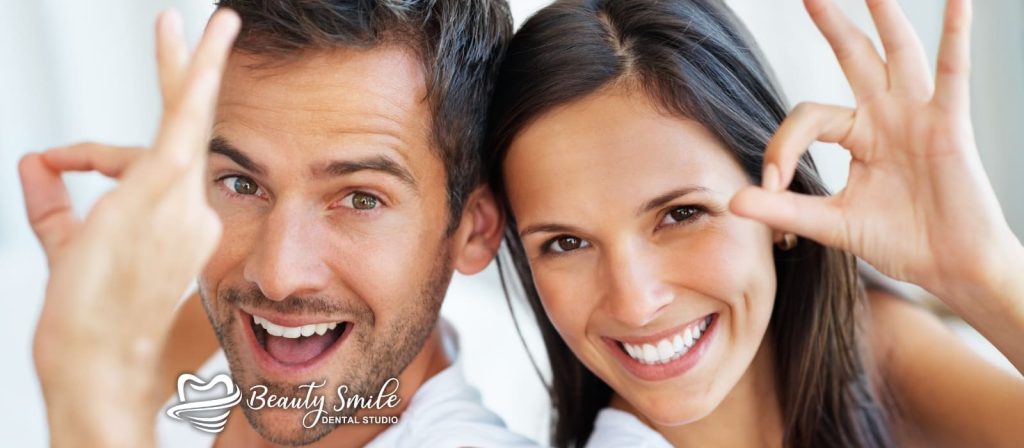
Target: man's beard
{"points": [[385, 352]]}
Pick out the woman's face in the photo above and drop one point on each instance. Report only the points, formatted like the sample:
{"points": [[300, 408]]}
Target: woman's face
{"points": [[656, 287]]}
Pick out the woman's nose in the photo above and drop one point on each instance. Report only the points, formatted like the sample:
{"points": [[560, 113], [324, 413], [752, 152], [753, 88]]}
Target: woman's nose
{"points": [[635, 289]]}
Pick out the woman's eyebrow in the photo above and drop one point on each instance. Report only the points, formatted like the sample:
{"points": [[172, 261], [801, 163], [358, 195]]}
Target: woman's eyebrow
{"points": [[654, 203], [547, 228], [669, 196]]}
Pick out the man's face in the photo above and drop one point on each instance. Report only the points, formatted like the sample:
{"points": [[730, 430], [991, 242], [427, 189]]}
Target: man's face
{"points": [[333, 261]]}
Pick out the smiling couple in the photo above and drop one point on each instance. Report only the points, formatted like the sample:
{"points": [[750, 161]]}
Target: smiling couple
{"points": [[693, 282]]}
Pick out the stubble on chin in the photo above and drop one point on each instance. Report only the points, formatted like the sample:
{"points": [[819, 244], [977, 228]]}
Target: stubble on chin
{"points": [[383, 352]]}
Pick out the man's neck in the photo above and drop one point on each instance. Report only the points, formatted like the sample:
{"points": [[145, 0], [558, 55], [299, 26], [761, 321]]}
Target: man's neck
{"points": [[430, 361]]}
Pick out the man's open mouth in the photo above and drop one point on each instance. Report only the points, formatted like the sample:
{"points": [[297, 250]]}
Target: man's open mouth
{"points": [[296, 345]]}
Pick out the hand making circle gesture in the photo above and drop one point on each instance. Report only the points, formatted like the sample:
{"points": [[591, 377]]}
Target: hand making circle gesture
{"points": [[917, 205]]}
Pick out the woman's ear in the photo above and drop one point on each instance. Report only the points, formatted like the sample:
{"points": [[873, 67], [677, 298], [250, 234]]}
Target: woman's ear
{"points": [[478, 237]]}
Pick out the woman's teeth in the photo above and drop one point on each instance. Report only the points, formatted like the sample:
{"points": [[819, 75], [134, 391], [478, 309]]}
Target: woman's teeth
{"points": [[668, 349], [293, 332]]}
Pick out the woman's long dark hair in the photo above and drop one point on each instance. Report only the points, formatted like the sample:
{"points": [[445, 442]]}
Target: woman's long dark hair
{"points": [[694, 59]]}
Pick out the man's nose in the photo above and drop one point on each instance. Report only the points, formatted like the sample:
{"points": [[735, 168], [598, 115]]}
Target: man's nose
{"points": [[287, 260], [635, 291]]}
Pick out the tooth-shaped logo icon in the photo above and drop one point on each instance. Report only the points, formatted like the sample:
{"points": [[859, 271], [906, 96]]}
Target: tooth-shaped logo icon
{"points": [[205, 414]]}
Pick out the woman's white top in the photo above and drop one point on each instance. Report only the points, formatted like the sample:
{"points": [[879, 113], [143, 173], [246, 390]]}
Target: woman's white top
{"points": [[615, 428]]}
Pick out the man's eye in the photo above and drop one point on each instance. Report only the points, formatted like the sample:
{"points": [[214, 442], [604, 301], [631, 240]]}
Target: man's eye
{"points": [[241, 185], [681, 214], [360, 201], [566, 243]]}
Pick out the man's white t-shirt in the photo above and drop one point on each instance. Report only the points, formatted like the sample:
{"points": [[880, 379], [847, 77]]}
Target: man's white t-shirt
{"points": [[614, 428], [445, 411]]}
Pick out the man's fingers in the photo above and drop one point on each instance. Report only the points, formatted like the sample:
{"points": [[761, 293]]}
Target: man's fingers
{"points": [[108, 160], [904, 55], [185, 127], [952, 77], [814, 217], [171, 53], [862, 65], [807, 123], [47, 202]]}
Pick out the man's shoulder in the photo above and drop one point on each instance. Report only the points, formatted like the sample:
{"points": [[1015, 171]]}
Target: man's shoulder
{"points": [[448, 411]]}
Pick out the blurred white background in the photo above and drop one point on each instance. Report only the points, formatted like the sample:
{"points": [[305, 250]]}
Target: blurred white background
{"points": [[73, 71]]}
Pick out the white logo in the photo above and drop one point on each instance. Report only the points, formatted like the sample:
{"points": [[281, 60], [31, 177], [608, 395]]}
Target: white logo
{"points": [[204, 414]]}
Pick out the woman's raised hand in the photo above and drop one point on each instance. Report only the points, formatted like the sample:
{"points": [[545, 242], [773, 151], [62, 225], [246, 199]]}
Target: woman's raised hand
{"points": [[918, 205]]}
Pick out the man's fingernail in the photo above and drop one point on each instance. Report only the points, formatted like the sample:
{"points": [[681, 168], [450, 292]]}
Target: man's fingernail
{"points": [[770, 178], [172, 23]]}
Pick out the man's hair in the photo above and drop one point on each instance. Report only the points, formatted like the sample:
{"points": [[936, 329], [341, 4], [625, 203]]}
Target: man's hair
{"points": [[459, 42]]}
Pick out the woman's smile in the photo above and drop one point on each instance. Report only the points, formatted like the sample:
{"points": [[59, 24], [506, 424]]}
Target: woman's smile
{"points": [[666, 354]]}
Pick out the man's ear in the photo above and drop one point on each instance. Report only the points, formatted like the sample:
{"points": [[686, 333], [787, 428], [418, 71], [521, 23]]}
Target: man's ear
{"points": [[478, 237]]}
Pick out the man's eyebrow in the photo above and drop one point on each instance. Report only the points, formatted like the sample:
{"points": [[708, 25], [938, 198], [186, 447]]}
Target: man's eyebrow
{"points": [[670, 196], [218, 145], [381, 163]]}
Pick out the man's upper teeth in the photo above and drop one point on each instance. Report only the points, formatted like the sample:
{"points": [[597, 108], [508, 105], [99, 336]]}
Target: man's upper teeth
{"points": [[670, 348], [293, 332]]}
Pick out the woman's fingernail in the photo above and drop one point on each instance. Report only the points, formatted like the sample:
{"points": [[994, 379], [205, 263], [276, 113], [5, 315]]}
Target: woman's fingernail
{"points": [[770, 178]]}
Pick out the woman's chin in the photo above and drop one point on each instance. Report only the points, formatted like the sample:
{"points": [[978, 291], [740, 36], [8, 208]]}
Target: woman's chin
{"points": [[668, 412]]}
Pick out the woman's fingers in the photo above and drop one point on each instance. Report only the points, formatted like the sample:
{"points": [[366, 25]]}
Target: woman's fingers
{"points": [[171, 53], [807, 123], [862, 65], [952, 83], [48, 204], [108, 160], [904, 55], [814, 217]]}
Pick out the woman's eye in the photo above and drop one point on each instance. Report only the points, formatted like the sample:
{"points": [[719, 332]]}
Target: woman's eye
{"points": [[566, 243], [360, 201], [241, 185], [681, 214]]}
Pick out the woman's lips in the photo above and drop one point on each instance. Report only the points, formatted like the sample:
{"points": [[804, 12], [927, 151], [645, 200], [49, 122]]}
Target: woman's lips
{"points": [[668, 354]]}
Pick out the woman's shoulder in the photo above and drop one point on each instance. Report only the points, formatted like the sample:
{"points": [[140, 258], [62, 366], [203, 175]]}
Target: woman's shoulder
{"points": [[939, 389], [890, 316]]}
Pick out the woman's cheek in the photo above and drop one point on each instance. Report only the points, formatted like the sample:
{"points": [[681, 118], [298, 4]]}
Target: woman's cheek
{"points": [[741, 272], [732, 261], [565, 301]]}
